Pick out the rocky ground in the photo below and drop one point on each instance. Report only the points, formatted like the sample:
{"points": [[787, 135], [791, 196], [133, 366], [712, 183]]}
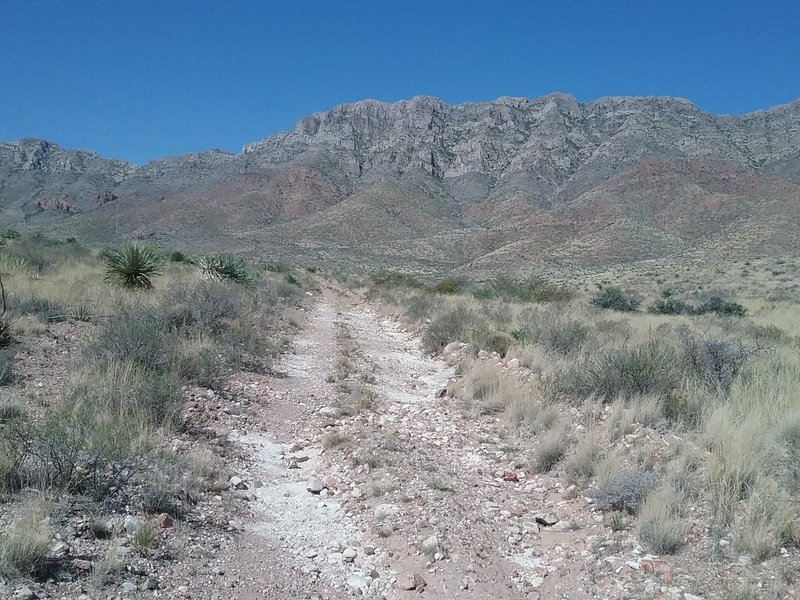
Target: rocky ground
{"points": [[351, 472]]}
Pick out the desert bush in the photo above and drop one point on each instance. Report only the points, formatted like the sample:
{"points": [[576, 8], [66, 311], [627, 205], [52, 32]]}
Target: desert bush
{"points": [[670, 306], [85, 449], [138, 334], [625, 491], [223, 266], [127, 388], [647, 368], [534, 289], [451, 326], [447, 287], [178, 256], [418, 308], [481, 381], [559, 335], [614, 298], [35, 306], [26, 543], [660, 525], [199, 360], [7, 360], [7, 336], [396, 279], [206, 305], [580, 466], [763, 524], [721, 307], [495, 341], [551, 449], [133, 266], [716, 362]]}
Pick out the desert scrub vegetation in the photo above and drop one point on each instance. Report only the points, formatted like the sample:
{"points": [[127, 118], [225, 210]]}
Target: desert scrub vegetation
{"points": [[144, 332], [691, 405]]}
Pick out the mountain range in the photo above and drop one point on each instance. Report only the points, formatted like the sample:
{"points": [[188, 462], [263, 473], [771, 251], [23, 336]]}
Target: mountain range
{"points": [[515, 184]]}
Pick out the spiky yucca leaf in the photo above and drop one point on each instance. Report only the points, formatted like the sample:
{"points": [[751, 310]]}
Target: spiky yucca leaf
{"points": [[133, 266], [220, 266]]}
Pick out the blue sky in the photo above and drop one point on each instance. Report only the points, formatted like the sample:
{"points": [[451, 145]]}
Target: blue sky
{"points": [[143, 79]]}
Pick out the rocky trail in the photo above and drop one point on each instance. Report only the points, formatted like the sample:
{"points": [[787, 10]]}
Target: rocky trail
{"points": [[401, 494]]}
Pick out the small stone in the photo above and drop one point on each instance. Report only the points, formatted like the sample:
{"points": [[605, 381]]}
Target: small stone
{"points": [[369, 550], [510, 476], [357, 582], [151, 583], [310, 553], [132, 524], [546, 519], [410, 581], [238, 483], [24, 593], [315, 485], [349, 554], [164, 521], [385, 510], [513, 363], [59, 550], [80, 564], [688, 596], [129, 588], [330, 411], [431, 545]]}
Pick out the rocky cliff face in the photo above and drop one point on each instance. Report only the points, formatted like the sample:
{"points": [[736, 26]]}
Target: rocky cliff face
{"points": [[491, 164]]}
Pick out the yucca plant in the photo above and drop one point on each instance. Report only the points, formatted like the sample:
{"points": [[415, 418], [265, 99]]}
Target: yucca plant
{"points": [[221, 266], [133, 266]]}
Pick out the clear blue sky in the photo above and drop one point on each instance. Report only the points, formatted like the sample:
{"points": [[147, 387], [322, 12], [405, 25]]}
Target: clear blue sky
{"points": [[142, 79]]}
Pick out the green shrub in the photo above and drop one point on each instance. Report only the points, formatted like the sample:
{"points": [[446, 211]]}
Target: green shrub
{"points": [[6, 333], [454, 325], [396, 279], [83, 448], [670, 306], [41, 308], [719, 306], [559, 335], [421, 307], [133, 266], [7, 361], [291, 279], [551, 449], [625, 491], [138, 334], [179, 257], [660, 525], [495, 341], [198, 360], [26, 543], [447, 287], [11, 234], [206, 305], [648, 368], [223, 266], [614, 298], [716, 362], [535, 289]]}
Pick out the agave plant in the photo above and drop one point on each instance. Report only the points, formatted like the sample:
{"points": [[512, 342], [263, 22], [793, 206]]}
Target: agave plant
{"points": [[133, 266], [220, 266]]}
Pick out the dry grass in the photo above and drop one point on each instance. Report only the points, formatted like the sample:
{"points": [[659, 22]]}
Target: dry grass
{"points": [[660, 524], [27, 541]]}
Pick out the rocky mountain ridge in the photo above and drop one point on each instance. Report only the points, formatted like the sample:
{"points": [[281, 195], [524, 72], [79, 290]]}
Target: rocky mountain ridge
{"points": [[421, 167]]}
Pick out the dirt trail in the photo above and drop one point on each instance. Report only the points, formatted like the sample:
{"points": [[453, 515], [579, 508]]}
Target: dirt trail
{"points": [[416, 489]]}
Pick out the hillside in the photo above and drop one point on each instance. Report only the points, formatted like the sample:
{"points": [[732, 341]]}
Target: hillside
{"points": [[511, 183]]}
